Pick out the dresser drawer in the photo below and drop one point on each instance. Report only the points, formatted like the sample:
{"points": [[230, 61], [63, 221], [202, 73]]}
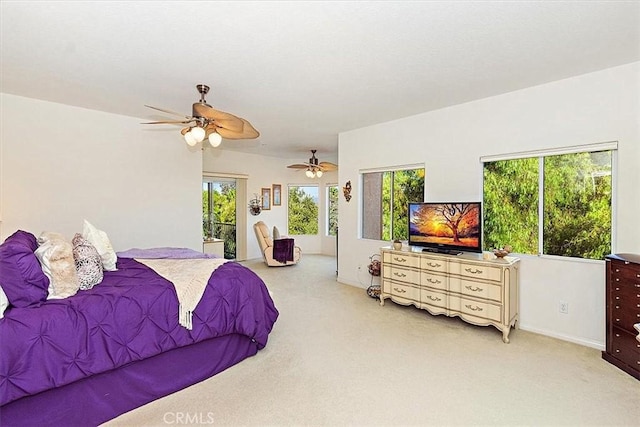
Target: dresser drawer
{"points": [[476, 271], [479, 309], [401, 274], [436, 265], [433, 298], [401, 260], [621, 271], [403, 293], [625, 347], [624, 317], [484, 290], [432, 280]]}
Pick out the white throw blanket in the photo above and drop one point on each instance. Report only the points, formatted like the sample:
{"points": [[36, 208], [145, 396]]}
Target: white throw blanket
{"points": [[189, 278]]}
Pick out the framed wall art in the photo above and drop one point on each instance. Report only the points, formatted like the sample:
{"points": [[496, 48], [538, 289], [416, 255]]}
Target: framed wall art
{"points": [[277, 194], [266, 199]]}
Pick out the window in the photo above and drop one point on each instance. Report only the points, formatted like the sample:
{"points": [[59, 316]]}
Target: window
{"points": [[332, 210], [386, 195], [303, 209], [553, 203]]}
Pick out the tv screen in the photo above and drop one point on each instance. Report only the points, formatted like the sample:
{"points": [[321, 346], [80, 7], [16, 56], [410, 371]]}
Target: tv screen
{"points": [[446, 227]]}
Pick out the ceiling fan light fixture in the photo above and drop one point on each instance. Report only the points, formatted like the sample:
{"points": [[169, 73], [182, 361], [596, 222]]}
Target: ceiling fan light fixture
{"points": [[215, 139], [318, 173], [190, 139], [198, 133], [309, 173]]}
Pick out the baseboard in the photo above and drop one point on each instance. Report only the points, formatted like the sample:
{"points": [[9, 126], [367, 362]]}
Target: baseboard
{"points": [[588, 343]]}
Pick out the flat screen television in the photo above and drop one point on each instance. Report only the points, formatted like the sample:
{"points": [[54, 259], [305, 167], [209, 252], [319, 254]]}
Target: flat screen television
{"points": [[450, 228]]}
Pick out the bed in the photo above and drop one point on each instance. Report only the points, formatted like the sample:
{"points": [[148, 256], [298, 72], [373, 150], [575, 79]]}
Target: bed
{"points": [[88, 358]]}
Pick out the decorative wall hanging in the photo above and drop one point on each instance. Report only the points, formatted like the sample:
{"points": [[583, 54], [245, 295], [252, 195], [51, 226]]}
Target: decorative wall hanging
{"points": [[347, 191], [277, 194], [266, 199], [255, 205]]}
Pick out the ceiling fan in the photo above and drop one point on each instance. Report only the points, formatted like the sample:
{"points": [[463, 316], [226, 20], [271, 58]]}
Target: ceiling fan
{"points": [[207, 122], [315, 168]]}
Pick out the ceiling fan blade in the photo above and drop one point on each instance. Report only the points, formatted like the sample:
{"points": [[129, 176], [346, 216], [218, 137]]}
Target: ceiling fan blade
{"points": [[168, 111], [184, 122], [222, 119], [298, 166], [328, 166]]}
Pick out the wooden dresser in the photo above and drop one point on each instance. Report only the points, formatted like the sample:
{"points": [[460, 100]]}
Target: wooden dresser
{"points": [[482, 292], [623, 312]]}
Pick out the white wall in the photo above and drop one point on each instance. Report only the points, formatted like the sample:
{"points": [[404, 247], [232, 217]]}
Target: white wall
{"points": [[597, 107], [263, 172], [62, 164]]}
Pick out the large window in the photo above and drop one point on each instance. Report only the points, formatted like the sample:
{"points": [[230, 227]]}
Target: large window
{"points": [[386, 196], [552, 204], [332, 210], [303, 209]]}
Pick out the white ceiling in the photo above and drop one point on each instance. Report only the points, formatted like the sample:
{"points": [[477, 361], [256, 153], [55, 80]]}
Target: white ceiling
{"points": [[301, 72]]}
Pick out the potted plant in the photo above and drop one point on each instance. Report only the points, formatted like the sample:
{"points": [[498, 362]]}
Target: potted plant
{"points": [[397, 244]]}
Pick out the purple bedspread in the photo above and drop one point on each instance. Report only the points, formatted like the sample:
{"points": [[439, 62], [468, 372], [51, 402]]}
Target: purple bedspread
{"points": [[130, 316]]}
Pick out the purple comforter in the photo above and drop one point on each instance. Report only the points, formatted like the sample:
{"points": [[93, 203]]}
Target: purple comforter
{"points": [[130, 316]]}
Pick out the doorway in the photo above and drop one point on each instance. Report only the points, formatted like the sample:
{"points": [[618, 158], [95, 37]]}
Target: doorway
{"points": [[223, 219]]}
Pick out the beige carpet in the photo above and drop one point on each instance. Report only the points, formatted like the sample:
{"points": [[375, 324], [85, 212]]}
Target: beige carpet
{"points": [[336, 357]]}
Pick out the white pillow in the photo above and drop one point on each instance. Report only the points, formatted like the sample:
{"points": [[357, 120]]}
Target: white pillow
{"points": [[56, 258], [276, 233], [100, 241], [4, 302]]}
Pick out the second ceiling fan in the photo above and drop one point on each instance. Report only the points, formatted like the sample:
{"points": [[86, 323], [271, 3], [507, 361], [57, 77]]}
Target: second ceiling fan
{"points": [[313, 167]]}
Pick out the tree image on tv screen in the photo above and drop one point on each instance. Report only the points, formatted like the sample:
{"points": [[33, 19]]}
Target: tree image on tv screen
{"points": [[448, 223]]}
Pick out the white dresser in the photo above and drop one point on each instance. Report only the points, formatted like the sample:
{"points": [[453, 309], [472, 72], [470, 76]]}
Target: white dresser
{"points": [[213, 246], [481, 292]]}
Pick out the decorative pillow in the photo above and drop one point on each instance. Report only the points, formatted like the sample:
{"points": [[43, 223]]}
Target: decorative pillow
{"points": [[100, 241], [21, 276], [88, 262], [4, 302], [56, 257], [276, 233]]}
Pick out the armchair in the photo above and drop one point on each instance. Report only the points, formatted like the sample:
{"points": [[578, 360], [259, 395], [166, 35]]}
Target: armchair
{"points": [[265, 242]]}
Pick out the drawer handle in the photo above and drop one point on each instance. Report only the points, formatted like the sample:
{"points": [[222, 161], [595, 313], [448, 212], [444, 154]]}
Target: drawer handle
{"points": [[617, 307], [617, 351], [433, 298], [617, 320], [432, 264], [473, 308], [617, 335], [617, 297], [433, 281], [617, 289], [472, 289], [399, 259], [617, 270], [474, 271], [399, 274], [401, 291], [637, 285]]}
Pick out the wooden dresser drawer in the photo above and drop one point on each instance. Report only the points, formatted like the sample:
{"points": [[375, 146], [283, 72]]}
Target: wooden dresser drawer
{"points": [[404, 293], [401, 274], [433, 298], [483, 310], [488, 291], [621, 271], [436, 265], [624, 318], [432, 280], [625, 347], [402, 260], [476, 271]]}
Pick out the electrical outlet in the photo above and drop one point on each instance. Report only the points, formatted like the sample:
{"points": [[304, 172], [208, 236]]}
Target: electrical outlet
{"points": [[564, 307]]}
